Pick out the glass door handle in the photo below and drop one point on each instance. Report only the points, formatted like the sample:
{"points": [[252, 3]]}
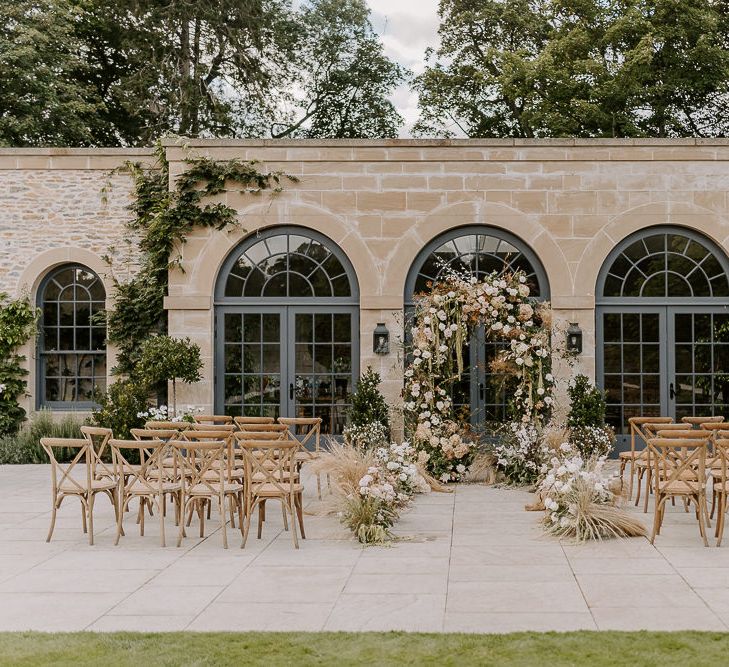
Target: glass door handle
{"points": [[480, 390], [671, 391], [291, 390]]}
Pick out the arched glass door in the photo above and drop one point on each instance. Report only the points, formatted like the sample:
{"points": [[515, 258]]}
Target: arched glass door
{"points": [[479, 396], [287, 328], [663, 327]]}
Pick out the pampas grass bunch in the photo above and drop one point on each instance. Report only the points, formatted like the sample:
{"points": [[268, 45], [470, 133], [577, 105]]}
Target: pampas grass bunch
{"points": [[585, 519]]}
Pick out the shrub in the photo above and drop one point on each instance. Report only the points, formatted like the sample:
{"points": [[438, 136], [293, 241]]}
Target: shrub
{"points": [[368, 404], [120, 408], [17, 323], [587, 404], [25, 447]]}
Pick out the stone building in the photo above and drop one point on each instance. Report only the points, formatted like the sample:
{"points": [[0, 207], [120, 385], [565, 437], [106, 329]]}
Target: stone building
{"points": [[626, 238]]}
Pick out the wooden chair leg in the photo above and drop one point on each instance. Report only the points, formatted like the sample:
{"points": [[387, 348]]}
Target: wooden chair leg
{"points": [[223, 520], [83, 517], [261, 516], [202, 517], [300, 512], [720, 518], [91, 499], [285, 518], [160, 501], [56, 503], [656, 519], [290, 507]]}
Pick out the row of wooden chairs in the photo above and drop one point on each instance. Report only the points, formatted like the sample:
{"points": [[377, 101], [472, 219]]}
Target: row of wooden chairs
{"points": [[677, 462], [194, 465]]}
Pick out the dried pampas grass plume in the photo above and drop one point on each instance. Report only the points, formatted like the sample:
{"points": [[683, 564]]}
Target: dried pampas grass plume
{"points": [[588, 520], [483, 470]]}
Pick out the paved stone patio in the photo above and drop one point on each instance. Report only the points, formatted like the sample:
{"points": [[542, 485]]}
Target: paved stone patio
{"points": [[471, 561]]}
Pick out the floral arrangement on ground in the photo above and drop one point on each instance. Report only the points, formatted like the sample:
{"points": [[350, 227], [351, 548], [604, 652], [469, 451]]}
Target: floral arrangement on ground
{"points": [[372, 481], [442, 324]]}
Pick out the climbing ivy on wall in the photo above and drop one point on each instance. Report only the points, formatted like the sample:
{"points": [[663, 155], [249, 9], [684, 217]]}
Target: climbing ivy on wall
{"points": [[163, 218], [17, 324]]}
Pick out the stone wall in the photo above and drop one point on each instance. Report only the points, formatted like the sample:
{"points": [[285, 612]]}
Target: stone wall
{"points": [[571, 201], [57, 206]]}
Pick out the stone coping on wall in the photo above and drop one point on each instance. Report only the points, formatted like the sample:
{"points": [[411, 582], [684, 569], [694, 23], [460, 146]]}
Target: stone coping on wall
{"points": [[452, 150], [71, 158]]}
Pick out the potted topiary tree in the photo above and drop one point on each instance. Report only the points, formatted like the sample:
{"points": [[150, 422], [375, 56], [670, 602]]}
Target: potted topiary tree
{"points": [[163, 359]]}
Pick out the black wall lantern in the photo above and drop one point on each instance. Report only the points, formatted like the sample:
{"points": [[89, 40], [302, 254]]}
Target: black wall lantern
{"points": [[574, 338], [381, 339]]}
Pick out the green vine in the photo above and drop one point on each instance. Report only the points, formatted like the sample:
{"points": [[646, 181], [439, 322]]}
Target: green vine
{"points": [[17, 324], [163, 219]]}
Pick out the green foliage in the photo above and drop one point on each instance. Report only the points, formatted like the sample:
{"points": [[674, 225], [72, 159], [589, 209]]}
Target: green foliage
{"points": [[119, 408], [17, 324], [110, 72], [45, 96], [587, 404], [163, 358], [585, 68], [368, 404], [163, 218], [345, 77], [25, 447]]}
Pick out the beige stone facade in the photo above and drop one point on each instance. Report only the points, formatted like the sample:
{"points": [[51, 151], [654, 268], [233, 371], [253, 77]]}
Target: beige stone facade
{"points": [[569, 201]]}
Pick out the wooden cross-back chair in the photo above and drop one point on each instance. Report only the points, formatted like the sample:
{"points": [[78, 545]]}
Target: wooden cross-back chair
{"points": [[646, 431], [146, 481], [679, 471], [98, 437], [77, 479], [202, 465], [720, 482], [677, 431], [307, 430], [213, 420], [270, 473], [638, 440]]}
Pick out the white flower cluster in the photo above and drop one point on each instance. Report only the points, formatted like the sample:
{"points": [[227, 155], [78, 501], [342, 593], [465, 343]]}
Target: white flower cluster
{"points": [[567, 470], [3, 387], [395, 477], [366, 436], [521, 454], [163, 414]]}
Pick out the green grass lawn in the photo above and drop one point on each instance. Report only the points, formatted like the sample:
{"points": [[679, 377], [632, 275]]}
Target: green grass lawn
{"points": [[394, 648]]}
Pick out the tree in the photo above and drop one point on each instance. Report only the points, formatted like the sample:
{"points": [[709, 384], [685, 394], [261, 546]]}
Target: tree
{"points": [[368, 404], [533, 68], [163, 359], [343, 75], [111, 72], [44, 97]]}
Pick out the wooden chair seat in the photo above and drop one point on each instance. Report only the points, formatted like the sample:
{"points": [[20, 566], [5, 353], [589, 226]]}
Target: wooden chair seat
{"points": [[630, 455], [103, 484], [204, 489], [213, 475], [273, 491], [679, 488], [140, 489]]}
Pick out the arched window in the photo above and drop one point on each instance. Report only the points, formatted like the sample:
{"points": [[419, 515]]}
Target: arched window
{"points": [[665, 264], [662, 321], [287, 320], [479, 250], [71, 346]]}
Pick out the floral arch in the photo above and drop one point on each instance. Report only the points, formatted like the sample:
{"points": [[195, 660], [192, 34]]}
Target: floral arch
{"points": [[442, 323]]}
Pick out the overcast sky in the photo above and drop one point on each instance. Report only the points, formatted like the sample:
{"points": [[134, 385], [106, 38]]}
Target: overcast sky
{"points": [[407, 28]]}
